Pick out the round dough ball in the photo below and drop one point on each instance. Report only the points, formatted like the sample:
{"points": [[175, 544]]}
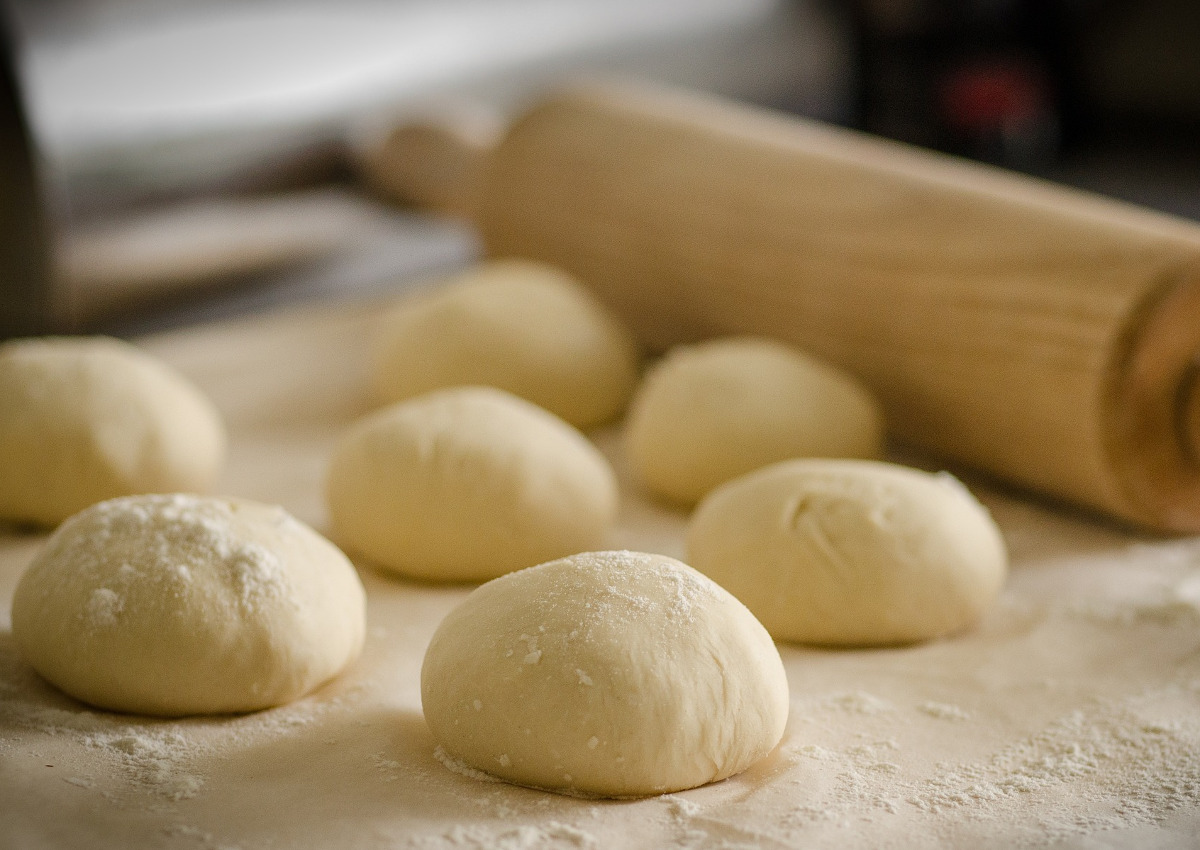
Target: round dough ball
{"points": [[85, 419], [710, 412], [613, 674], [521, 326], [468, 483], [850, 552], [174, 604]]}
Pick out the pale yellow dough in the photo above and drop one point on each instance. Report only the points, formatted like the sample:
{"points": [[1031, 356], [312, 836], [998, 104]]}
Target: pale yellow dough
{"points": [[849, 552], [175, 604], [466, 484], [518, 325], [84, 419], [710, 412], [606, 673]]}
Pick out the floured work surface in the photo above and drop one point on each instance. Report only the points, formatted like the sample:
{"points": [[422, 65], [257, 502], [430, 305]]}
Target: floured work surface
{"points": [[1071, 714]]}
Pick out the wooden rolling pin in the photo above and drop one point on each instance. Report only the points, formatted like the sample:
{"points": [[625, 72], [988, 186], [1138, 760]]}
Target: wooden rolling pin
{"points": [[1042, 334]]}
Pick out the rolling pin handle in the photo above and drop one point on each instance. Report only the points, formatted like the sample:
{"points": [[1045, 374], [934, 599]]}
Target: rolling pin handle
{"points": [[434, 160]]}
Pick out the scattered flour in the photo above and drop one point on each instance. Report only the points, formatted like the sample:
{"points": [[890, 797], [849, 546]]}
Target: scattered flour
{"points": [[390, 768], [681, 807], [156, 757], [103, 606], [858, 702], [550, 835], [1107, 752], [176, 536], [462, 768], [943, 711], [200, 838], [1095, 769]]}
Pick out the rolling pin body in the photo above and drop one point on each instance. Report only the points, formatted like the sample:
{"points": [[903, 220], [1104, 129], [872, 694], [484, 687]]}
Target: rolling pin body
{"points": [[1041, 334]]}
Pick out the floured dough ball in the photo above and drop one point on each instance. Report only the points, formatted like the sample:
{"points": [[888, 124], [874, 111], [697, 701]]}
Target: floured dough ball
{"points": [[848, 552], [468, 483], [173, 605], [83, 419], [613, 674], [710, 412], [521, 326]]}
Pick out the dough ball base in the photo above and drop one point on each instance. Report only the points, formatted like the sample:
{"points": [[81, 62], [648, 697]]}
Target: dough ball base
{"points": [[613, 674], [466, 484], [85, 419], [521, 326], [849, 552], [173, 605], [710, 412]]}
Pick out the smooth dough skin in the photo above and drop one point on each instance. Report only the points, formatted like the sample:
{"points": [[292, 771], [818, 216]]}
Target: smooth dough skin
{"points": [[846, 552], [174, 604], [466, 484], [521, 326], [710, 412], [83, 419], [613, 674]]}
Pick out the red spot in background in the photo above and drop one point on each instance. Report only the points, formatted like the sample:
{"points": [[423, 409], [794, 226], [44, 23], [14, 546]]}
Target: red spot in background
{"points": [[990, 94]]}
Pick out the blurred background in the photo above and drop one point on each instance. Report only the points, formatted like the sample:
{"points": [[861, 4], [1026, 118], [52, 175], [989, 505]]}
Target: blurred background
{"points": [[165, 162]]}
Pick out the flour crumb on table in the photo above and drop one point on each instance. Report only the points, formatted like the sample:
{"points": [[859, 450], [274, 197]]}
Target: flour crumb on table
{"points": [[943, 711]]}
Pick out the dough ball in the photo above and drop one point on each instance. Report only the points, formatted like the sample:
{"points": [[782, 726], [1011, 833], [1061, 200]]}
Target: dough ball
{"points": [[614, 674], [468, 483], [710, 412], [850, 552], [173, 605], [83, 419], [521, 326]]}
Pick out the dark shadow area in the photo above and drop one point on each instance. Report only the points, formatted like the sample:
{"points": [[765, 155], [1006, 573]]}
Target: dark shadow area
{"points": [[1103, 95]]}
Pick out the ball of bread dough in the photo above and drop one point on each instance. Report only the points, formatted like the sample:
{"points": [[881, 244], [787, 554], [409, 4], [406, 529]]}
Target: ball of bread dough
{"points": [[83, 419], [710, 412], [176, 604], [850, 552], [521, 326], [468, 483], [613, 674]]}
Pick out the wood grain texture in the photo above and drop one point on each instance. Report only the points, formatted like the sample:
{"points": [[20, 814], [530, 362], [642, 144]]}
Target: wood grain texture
{"points": [[1039, 333]]}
